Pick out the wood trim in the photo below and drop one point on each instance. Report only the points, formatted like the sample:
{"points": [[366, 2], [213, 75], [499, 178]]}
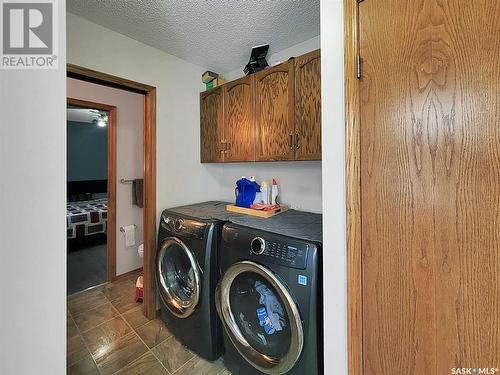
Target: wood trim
{"points": [[90, 75], [88, 104], [149, 157], [149, 153], [353, 190], [111, 150], [111, 228]]}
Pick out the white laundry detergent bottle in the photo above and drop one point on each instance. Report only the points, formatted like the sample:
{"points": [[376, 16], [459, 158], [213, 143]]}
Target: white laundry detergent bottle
{"points": [[265, 192]]}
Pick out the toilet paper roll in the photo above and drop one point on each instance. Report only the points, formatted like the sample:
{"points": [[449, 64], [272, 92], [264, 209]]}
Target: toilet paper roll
{"points": [[129, 231], [140, 250]]}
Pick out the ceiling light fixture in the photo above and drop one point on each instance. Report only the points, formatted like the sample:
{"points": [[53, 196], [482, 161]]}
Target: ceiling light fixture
{"points": [[101, 123], [100, 118]]}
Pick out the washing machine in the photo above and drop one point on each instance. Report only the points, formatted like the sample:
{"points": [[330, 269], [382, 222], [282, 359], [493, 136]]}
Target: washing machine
{"points": [[270, 303], [186, 272]]}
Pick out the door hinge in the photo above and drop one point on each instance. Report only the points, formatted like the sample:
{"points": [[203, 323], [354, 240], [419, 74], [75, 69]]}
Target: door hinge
{"points": [[359, 67]]}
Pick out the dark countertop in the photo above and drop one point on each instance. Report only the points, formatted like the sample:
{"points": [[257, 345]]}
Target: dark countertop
{"points": [[304, 225]]}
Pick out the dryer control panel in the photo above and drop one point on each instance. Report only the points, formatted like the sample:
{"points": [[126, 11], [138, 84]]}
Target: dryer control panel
{"points": [[267, 247], [279, 250]]}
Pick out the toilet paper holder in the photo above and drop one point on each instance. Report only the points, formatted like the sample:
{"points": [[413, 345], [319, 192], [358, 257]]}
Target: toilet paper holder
{"points": [[122, 229]]}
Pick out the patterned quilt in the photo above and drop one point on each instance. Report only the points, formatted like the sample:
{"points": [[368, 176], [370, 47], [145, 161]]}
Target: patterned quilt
{"points": [[86, 218]]}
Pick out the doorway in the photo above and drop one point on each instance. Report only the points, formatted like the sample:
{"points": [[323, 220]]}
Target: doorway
{"points": [[91, 198], [149, 168]]}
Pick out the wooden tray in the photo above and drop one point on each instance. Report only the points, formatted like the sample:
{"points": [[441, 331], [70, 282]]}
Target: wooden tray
{"points": [[258, 213]]}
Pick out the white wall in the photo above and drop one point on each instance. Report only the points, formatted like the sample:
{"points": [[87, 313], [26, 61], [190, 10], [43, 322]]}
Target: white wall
{"points": [[300, 182], [32, 217], [129, 118], [334, 213], [181, 179]]}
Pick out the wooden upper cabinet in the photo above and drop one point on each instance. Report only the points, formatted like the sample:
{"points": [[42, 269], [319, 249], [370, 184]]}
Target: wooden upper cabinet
{"points": [[308, 106], [239, 134], [274, 112], [211, 125]]}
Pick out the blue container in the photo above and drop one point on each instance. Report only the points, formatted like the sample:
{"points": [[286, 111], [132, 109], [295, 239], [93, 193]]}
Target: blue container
{"points": [[245, 192]]}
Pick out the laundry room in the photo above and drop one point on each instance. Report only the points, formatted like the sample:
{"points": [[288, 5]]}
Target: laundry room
{"points": [[232, 110], [250, 187]]}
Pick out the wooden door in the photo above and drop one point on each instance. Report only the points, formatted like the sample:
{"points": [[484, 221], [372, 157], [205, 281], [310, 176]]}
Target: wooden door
{"points": [[239, 120], [430, 193], [274, 112], [308, 106], [211, 125]]}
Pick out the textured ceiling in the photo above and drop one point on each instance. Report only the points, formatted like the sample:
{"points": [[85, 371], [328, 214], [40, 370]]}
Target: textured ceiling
{"points": [[215, 34]]}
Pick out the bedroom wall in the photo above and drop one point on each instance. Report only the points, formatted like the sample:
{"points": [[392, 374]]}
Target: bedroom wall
{"points": [[86, 152], [129, 115], [299, 182]]}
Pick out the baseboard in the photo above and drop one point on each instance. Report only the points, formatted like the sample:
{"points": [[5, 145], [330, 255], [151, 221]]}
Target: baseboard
{"points": [[127, 274]]}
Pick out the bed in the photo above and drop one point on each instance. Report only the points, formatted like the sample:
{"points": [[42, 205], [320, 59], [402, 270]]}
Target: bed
{"points": [[86, 218], [86, 209]]}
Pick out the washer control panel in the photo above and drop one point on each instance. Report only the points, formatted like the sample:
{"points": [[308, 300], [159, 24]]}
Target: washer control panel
{"points": [[287, 254], [184, 227]]}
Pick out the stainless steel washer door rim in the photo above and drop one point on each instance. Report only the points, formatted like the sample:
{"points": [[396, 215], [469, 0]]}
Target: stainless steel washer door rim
{"points": [[262, 362], [174, 303]]}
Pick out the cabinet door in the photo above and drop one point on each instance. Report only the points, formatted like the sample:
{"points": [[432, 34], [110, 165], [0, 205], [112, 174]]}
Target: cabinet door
{"points": [[211, 125], [308, 106], [274, 112], [239, 120]]}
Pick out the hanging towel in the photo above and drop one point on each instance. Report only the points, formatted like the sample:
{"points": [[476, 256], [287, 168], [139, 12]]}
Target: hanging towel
{"points": [[129, 231], [137, 192]]}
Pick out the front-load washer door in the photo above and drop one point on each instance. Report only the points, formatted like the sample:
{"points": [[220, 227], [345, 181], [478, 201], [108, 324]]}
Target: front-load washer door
{"points": [[178, 277], [260, 317]]}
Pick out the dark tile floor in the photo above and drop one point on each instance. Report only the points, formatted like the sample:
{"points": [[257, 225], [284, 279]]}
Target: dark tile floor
{"points": [[86, 267], [108, 334]]}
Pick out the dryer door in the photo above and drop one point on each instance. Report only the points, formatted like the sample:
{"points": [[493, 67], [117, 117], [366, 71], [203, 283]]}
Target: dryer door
{"points": [[260, 317], [178, 277]]}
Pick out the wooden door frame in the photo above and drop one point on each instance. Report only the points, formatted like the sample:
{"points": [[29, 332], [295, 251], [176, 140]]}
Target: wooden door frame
{"points": [[353, 189], [149, 168], [111, 173]]}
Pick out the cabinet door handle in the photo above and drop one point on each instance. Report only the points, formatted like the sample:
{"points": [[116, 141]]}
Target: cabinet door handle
{"points": [[297, 138], [291, 141]]}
